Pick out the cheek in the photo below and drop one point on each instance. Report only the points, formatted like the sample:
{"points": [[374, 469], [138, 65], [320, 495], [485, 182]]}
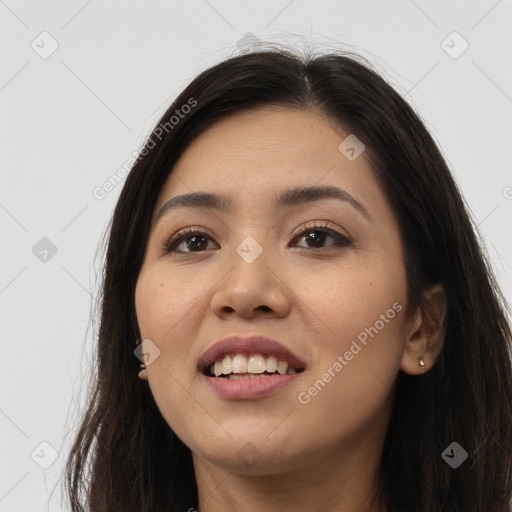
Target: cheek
{"points": [[166, 311], [350, 300], [164, 305], [359, 344]]}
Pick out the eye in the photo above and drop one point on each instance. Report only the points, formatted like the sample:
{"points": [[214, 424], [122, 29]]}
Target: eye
{"points": [[196, 240], [195, 236], [315, 230]]}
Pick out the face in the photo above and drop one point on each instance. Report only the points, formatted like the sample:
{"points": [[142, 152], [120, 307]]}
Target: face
{"points": [[321, 275]]}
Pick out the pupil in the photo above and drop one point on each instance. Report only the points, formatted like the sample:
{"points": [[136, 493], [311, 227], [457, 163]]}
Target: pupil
{"points": [[193, 245], [316, 239]]}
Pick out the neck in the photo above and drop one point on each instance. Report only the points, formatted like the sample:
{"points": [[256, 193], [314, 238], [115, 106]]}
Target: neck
{"points": [[341, 479]]}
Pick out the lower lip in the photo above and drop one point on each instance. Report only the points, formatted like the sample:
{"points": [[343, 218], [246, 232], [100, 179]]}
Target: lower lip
{"points": [[250, 388]]}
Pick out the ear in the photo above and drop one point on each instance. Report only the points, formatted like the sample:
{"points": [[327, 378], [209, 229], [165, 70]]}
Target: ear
{"points": [[143, 372], [425, 333]]}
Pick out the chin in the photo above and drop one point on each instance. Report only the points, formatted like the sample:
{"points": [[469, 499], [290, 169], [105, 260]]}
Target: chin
{"points": [[251, 454], [249, 460]]}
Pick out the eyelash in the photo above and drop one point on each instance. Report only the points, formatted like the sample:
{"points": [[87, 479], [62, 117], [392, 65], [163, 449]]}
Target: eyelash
{"points": [[170, 245]]}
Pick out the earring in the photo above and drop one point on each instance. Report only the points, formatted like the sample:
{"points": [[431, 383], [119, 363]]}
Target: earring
{"points": [[421, 362], [143, 374]]}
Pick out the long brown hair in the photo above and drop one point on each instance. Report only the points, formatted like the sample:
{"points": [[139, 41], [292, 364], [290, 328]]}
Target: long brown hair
{"points": [[126, 457]]}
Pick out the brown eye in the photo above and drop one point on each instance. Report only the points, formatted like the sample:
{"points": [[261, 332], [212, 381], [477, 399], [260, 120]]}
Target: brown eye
{"points": [[317, 235], [192, 240]]}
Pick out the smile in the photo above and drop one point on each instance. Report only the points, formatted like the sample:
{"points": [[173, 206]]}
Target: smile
{"points": [[253, 366], [245, 367]]}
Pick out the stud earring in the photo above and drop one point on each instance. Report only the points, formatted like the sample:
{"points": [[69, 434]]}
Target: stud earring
{"points": [[421, 362], [143, 374]]}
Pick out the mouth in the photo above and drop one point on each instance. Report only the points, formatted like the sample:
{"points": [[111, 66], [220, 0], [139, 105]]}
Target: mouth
{"points": [[239, 366], [249, 367]]}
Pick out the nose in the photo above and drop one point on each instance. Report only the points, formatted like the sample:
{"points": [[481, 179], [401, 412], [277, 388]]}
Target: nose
{"points": [[251, 288]]}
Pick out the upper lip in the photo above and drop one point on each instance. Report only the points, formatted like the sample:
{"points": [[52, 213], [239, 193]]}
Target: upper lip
{"points": [[249, 345]]}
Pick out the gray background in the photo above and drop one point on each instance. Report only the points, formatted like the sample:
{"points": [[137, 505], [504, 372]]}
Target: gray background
{"points": [[69, 120]]}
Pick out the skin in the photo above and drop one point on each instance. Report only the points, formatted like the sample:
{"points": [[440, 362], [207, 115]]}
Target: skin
{"points": [[313, 298]]}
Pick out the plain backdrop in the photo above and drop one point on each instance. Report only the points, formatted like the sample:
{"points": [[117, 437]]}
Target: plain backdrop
{"points": [[81, 85]]}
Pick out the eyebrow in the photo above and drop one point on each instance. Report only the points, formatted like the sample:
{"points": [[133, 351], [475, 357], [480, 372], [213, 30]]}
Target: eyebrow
{"points": [[287, 198]]}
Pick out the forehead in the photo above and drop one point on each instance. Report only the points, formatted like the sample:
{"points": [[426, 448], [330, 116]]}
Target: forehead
{"points": [[252, 154]]}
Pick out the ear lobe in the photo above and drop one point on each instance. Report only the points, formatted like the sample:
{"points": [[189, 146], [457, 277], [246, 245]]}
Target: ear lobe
{"points": [[425, 334]]}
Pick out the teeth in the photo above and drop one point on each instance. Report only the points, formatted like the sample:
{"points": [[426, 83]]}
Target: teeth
{"points": [[239, 364], [233, 376], [271, 364], [252, 366], [256, 364], [226, 365], [282, 367]]}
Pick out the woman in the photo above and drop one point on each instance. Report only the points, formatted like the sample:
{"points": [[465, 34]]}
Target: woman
{"points": [[293, 261]]}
